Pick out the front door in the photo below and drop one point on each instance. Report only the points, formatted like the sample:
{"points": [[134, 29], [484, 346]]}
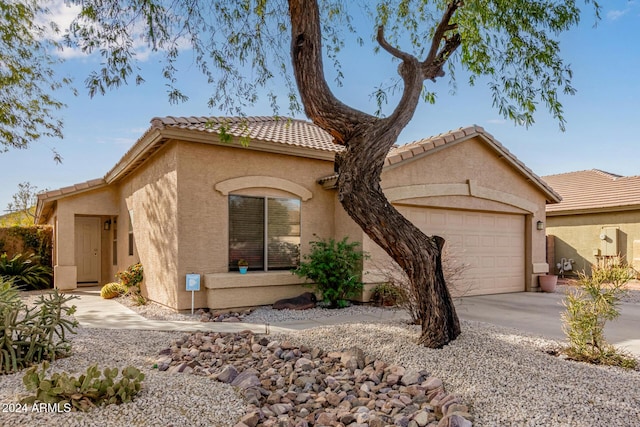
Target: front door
{"points": [[88, 249]]}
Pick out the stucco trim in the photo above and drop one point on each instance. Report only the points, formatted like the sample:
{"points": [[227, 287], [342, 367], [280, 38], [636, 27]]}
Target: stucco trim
{"points": [[471, 188], [261, 181]]}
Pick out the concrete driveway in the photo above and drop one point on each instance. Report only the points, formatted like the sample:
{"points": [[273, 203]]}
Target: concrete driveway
{"points": [[539, 313]]}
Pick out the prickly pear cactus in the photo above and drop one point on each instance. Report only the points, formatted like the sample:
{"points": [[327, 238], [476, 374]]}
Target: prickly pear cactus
{"points": [[89, 390]]}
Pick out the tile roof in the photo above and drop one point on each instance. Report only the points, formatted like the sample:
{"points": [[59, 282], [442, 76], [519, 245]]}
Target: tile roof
{"points": [[281, 130], [593, 190]]}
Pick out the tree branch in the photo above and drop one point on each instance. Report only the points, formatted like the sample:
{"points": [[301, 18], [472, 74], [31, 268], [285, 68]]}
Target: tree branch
{"points": [[403, 56], [320, 105], [437, 57]]}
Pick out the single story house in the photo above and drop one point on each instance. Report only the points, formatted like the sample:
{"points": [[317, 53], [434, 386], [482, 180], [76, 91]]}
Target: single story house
{"points": [[598, 218], [195, 194]]}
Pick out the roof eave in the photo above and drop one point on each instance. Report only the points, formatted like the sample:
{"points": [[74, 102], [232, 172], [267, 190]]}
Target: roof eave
{"points": [[465, 134], [598, 210], [46, 200]]}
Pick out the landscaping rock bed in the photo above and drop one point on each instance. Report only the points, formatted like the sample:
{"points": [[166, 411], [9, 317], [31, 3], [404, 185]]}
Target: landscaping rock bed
{"points": [[287, 385]]}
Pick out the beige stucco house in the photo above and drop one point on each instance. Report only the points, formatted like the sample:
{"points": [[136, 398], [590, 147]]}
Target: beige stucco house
{"points": [[185, 200], [598, 218]]}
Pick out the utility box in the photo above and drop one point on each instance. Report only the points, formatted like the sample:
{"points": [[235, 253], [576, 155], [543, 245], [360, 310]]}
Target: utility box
{"points": [[609, 241]]}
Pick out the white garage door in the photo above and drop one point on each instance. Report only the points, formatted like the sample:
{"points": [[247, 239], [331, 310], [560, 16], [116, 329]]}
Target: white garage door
{"points": [[489, 245]]}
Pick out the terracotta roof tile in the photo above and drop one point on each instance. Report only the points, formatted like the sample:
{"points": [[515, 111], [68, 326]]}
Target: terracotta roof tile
{"points": [[594, 190], [285, 131]]}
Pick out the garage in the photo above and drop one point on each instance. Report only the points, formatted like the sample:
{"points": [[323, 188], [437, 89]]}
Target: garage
{"points": [[490, 246]]}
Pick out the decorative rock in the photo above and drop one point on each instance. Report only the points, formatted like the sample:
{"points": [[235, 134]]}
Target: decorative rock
{"points": [[246, 379], [423, 418], [326, 419], [454, 421], [285, 385], [301, 302], [251, 419], [304, 364], [228, 374], [353, 359], [410, 378], [432, 383]]}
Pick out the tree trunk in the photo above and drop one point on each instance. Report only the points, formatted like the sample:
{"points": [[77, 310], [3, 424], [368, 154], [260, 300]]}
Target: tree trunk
{"points": [[417, 254], [368, 140]]}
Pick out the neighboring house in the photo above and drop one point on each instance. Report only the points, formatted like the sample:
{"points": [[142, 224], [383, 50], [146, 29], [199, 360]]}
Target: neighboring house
{"points": [[598, 218], [182, 200]]}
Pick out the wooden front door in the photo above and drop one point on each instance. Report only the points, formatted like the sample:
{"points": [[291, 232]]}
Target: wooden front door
{"points": [[88, 249]]}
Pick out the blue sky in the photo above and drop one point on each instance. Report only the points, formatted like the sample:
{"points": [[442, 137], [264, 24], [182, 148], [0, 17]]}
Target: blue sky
{"points": [[601, 130]]}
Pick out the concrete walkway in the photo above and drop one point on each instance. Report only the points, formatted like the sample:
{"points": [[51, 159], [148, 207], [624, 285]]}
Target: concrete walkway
{"points": [[93, 311], [537, 313]]}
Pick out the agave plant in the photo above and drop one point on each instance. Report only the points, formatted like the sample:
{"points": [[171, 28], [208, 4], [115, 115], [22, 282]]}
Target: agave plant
{"points": [[25, 272]]}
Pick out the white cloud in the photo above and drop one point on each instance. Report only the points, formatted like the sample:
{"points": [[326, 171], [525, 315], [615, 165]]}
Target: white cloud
{"points": [[615, 14], [497, 121], [612, 15], [63, 14]]}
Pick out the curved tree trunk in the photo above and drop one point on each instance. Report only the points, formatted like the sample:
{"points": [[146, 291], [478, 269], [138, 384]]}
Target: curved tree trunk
{"points": [[368, 139], [417, 254]]}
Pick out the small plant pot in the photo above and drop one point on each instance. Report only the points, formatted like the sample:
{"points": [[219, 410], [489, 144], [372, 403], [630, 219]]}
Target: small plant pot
{"points": [[548, 282], [243, 270]]}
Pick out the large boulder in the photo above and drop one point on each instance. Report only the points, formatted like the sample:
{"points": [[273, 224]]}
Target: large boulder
{"points": [[301, 302]]}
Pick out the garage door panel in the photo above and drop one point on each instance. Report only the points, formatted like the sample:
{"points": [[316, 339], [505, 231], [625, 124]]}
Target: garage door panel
{"points": [[489, 245]]}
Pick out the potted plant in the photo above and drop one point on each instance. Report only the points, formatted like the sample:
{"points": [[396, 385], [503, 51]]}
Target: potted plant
{"points": [[243, 265], [548, 282]]}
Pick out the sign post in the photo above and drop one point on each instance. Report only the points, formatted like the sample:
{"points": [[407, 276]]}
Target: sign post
{"points": [[193, 284]]}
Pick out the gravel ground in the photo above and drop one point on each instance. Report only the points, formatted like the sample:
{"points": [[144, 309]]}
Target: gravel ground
{"points": [[504, 375]]}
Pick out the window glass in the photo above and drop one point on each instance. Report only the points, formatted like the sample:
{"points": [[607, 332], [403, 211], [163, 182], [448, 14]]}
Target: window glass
{"points": [[131, 232], [264, 229], [114, 249], [246, 231], [283, 233]]}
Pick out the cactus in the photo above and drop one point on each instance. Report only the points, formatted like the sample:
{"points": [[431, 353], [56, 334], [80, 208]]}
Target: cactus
{"points": [[89, 390], [31, 335], [113, 290]]}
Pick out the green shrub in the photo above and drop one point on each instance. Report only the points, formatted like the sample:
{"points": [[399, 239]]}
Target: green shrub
{"points": [[30, 335], [85, 392], [589, 307], [113, 290], [334, 267], [26, 272], [387, 294]]}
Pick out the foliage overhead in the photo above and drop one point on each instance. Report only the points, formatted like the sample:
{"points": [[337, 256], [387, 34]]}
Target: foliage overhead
{"points": [[242, 47], [28, 79]]}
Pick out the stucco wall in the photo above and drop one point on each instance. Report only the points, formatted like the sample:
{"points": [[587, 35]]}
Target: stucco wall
{"points": [[101, 203], [577, 237], [203, 211], [151, 192], [470, 176]]}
